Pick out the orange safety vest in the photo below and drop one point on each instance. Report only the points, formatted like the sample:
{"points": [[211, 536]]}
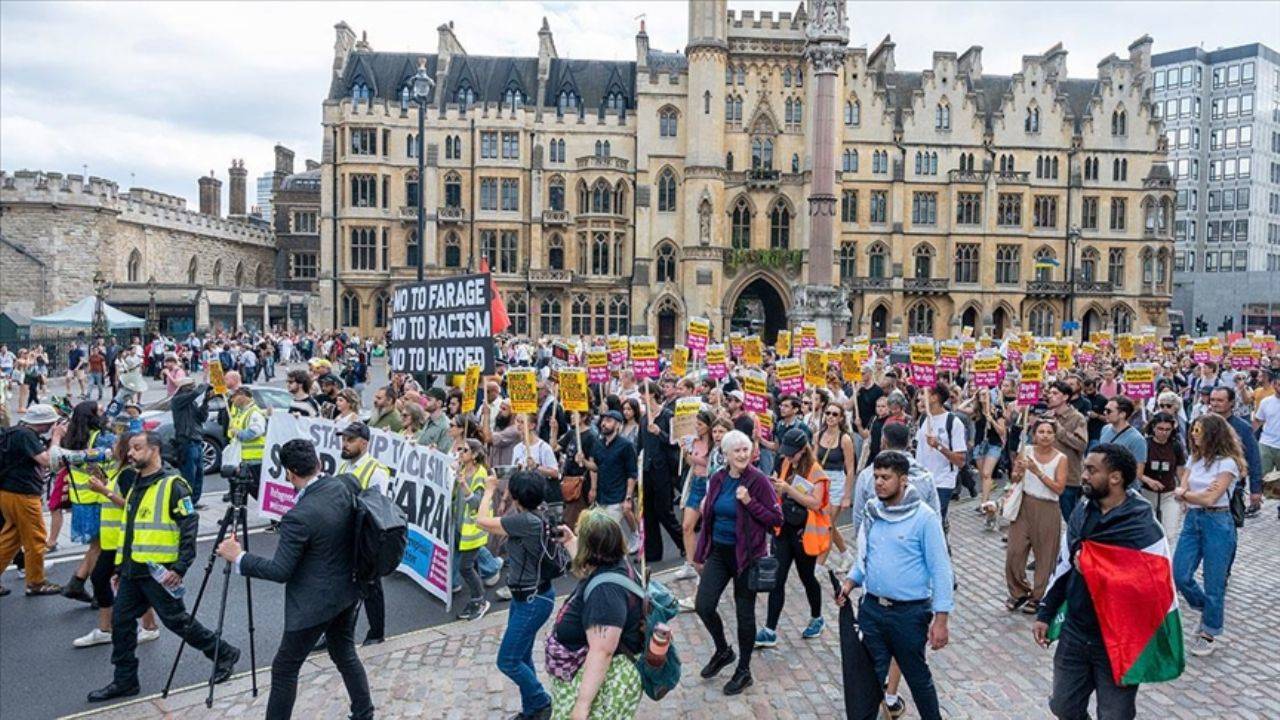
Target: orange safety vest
{"points": [[816, 538]]}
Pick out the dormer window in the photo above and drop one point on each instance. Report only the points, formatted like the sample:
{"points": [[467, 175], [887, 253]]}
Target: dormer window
{"points": [[513, 100], [466, 97], [360, 93], [568, 99], [404, 98]]}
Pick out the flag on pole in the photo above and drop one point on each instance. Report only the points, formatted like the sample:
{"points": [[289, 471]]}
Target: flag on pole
{"points": [[1046, 263], [500, 320]]}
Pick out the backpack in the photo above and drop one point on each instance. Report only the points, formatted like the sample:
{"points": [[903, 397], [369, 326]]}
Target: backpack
{"points": [[659, 606], [381, 533], [966, 474]]}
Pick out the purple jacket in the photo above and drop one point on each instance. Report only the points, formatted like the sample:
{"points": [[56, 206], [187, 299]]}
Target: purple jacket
{"points": [[753, 526]]}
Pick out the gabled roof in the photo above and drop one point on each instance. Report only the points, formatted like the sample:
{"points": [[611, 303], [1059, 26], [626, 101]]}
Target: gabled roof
{"points": [[592, 80], [489, 75], [384, 72], [989, 91]]}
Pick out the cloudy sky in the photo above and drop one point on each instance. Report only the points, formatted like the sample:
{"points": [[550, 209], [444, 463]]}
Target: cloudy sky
{"points": [[155, 94]]}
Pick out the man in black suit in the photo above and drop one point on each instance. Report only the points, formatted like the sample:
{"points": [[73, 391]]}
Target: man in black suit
{"points": [[314, 560]]}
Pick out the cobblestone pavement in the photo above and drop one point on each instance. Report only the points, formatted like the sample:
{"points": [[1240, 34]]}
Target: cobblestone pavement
{"points": [[991, 670]]}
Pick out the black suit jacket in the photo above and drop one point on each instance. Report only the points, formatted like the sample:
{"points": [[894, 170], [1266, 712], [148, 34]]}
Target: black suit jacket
{"points": [[314, 555]]}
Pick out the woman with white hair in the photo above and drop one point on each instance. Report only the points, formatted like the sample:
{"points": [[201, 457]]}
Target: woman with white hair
{"points": [[739, 512]]}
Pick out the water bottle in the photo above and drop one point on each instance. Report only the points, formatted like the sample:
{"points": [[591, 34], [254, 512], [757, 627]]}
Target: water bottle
{"points": [[157, 573], [659, 642]]}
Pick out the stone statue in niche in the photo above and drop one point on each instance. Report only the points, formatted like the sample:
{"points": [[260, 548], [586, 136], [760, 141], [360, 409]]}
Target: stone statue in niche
{"points": [[704, 223]]}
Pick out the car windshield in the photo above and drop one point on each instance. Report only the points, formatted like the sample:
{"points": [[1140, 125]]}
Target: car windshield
{"points": [[161, 405], [272, 398]]}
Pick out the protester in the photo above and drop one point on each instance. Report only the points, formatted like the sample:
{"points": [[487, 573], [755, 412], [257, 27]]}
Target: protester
{"points": [[368, 473], [1222, 403], [941, 446], [1117, 412], [471, 478], [696, 450], [613, 462], [1159, 476], [22, 471], [384, 415], [1071, 438], [1042, 471], [190, 410], [836, 452], [83, 442]]}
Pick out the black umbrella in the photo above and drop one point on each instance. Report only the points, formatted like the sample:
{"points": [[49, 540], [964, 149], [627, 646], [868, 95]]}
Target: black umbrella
{"points": [[863, 693]]}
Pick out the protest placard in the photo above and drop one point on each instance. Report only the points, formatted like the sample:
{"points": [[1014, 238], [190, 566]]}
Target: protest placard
{"points": [[441, 326], [1126, 348], [1139, 381], [735, 345], [924, 369], [986, 366], [815, 367], [573, 389], [764, 421], [1029, 382], [782, 345], [680, 360], [471, 389], [644, 357], [685, 421], [790, 376], [717, 364], [522, 388], [597, 366], [618, 349], [699, 334], [850, 365], [808, 335], [753, 351], [754, 389], [217, 378], [421, 484], [949, 356]]}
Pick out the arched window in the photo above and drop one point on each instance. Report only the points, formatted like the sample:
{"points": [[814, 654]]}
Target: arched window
{"points": [[1115, 268], [350, 309], [601, 197], [849, 163], [741, 75], [600, 254], [762, 154], [786, 77], [599, 317], [518, 311], [1089, 265], [617, 254], [549, 320], [619, 315], [1041, 321], [452, 251], [878, 260], [360, 93], [465, 97], [260, 278], [239, 274], [1046, 260], [1119, 122], [740, 225], [795, 162], [942, 117], [923, 261], [555, 252], [619, 197], [513, 99], [411, 192], [381, 304], [1162, 270], [452, 190], [920, 319], [848, 261], [584, 256], [667, 191], [217, 272], [192, 268], [1150, 212], [728, 162], [667, 122], [1122, 319], [1032, 122], [780, 227], [133, 270], [411, 248], [555, 193], [580, 315], [1148, 269], [852, 113], [666, 262], [1054, 174], [404, 98], [966, 263]]}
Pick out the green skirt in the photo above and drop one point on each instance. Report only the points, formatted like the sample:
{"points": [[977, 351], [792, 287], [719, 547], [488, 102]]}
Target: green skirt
{"points": [[618, 699]]}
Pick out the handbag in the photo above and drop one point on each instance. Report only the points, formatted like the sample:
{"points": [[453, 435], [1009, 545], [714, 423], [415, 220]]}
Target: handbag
{"points": [[571, 487], [563, 663], [762, 575], [1011, 505], [1236, 503]]}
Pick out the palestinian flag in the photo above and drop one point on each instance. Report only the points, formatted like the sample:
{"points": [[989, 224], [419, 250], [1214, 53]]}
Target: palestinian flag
{"points": [[1136, 604]]}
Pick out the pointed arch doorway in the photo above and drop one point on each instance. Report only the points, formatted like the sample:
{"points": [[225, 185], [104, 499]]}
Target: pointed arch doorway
{"points": [[759, 310], [1090, 323]]}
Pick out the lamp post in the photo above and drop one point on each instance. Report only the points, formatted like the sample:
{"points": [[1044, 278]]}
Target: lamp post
{"points": [[153, 318], [422, 84], [100, 328], [1073, 239]]}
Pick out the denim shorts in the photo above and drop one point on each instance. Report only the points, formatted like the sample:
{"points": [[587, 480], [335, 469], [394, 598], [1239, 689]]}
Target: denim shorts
{"points": [[697, 491], [86, 522], [987, 450]]}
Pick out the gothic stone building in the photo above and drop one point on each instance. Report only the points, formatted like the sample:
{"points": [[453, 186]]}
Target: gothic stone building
{"points": [[630, 196]]}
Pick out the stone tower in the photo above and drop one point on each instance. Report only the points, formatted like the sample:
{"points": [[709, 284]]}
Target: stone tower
{"points": [[236, 193], [210, 195]]}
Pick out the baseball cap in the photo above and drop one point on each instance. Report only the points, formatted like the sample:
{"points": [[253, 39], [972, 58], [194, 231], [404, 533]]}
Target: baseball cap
{"points": [[614, 415], [793, 442], [356, 430]]}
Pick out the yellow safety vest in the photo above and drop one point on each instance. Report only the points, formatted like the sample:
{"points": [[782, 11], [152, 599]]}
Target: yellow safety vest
{"points": [[363, 468], [155, 532], [81, 493], [250, 450], [111, 531], [473, 536]]}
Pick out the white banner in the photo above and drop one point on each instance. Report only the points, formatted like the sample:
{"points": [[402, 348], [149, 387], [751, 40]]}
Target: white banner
{"points": [[421, 484]]}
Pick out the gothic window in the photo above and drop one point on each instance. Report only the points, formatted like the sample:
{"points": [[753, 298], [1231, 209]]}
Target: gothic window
{"points": [[192, 268], [617, 254], [599, 317], [240, 274], [762, 154], [1046, 260], [1120, 169], [849, 163], [923, 262], [740, 225], [584, 256], [1032, 122], [619, 315], [1115, 268], [350, 309], [1009, 209], [1006, 165], [600, 254], [580, 316], [880, 162], [508, 252], [1091, 168], [1089, 265], [666, 262], [466, 97], [878, 260], [1040, 321], [667, 191], [555, 193], [1122, 318], [453, 190], [920, 319], [555, 252], [741, 75], [1008, 264], [411, 248], [966, 270], [452, 251], [381, 304], [786, 77], [489, 247], [133, 270], [1054, 173], [968, 208], [360, 93], [852, 113], [567, 100], [667, 122], [1118, 210], [728, 162], [601, 197], [518, 311], [849, 206], [780, 227], [549, 322], [848, 261], [513, 99], [1045, 211], [217, 272], [1118, 122], [942, 117], [795, 162], [411, 193]]}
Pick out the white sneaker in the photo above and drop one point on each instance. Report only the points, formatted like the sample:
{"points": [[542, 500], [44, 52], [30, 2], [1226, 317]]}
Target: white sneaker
{"points": [[95, 637], [145, 635], [686, 572], [686, 604], [1202, 646], [503, 593]]}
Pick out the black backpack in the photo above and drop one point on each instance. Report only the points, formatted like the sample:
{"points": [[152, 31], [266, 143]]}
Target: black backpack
{"points": [[381, 533]]}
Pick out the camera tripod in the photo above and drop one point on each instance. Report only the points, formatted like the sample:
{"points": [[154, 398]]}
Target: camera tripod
{"points": [[236, 518]]}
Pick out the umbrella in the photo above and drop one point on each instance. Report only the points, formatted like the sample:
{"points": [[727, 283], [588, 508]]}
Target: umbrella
{"points": [[80, 315], [863, 692]]}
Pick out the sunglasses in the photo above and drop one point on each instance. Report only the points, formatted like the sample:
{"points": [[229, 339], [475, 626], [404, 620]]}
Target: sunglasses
{"points": [[835, 413]]}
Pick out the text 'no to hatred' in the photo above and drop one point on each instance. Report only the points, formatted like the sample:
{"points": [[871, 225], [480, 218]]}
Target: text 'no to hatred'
{"points": [[442, 326]]}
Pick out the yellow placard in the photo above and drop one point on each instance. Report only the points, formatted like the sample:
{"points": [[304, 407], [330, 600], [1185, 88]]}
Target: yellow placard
{"points": [[685, 421], [1065, 351], [986, 363], [1101, 337], [949, 350], [699, 328], [597, 358], [753, 351], [809, 334], [922, 354], [754, 383], [1125, 347], [680, 360], [892, 338], [522, 386], [782, 346], [735, 344], [573, 389], [850, 365], [715, 355], [217, 378], [644, 349], [471, 389], [764, 421], [1032, 368], [1139, 374], [815, 367]]}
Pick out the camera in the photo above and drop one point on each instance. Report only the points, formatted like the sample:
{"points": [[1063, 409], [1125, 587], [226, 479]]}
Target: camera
{"points": [[503, 472], [243, 479], [555, 518]]}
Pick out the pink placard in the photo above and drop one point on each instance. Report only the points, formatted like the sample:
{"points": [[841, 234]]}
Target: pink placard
{"points": [[645, 369], [1028, 393], [924, 376]]}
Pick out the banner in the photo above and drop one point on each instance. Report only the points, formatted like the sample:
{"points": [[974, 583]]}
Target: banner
{"points": [[442, 326], [968, 348], [617, 351], [1200, 350], [790, 376], [754, 390], [1088, 353], [815, 367], [753, 351], [597, 366], [1244, 356], [764, 424], [782, 346], [924, 370], [1139, 381], [685, 421], [808, 335], [644, 357], [1032, 376], [1125, 348], [573, 389], [522, 387], [680, 361], [422, 481], [986, 368], [471, 389], [698, 334], [717, 365]]}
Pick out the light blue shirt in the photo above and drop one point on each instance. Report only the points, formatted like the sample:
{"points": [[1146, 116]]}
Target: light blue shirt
{"points": [[864, 489], [907, 560], [1130, 439]]}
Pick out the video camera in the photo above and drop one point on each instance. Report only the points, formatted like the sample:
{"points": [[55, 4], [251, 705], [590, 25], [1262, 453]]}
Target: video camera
{"points": [[243, 481]]}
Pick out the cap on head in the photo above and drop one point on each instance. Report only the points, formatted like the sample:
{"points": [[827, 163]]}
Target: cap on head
{"points": [[793, 442], [614, 415], [355, 430]]}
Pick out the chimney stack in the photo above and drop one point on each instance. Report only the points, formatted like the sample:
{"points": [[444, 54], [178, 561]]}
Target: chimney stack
{"points": [[210, 195], [236, 203], [284, 166]]}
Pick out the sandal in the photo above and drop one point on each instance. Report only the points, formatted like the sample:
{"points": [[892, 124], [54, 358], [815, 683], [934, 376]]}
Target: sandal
{"points": [[1031, 608], [47, 588], [1014, 603]]}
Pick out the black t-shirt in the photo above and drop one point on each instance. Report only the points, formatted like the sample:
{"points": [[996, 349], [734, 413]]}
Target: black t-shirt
{"points": [[1097, 403], [867, 398], [610, 605], [19, 472], [524, 550]]}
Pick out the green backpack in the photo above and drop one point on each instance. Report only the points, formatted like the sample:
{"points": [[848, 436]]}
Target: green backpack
{"points": [[660, 606]]}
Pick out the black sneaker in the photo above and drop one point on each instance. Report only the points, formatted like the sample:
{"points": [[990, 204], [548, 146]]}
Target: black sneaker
{"points": [[718, 662], [740, 681], [897, 709]]}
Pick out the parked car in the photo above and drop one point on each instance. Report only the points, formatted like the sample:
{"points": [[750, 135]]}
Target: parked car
{"points": [[157, 417]]}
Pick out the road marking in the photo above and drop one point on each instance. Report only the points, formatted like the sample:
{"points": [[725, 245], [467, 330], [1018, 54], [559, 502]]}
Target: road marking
{"points": [[64, 559]]}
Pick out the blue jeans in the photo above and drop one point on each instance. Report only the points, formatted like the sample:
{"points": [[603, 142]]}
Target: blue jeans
{"points": [[515, 654], [1208, 537], [191, 460], [1068, 500], [900, 633], [944, 501]]}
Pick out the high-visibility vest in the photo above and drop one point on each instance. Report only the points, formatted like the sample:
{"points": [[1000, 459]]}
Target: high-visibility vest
{"points": [[250, 450], [155, 532], [111, 530], [363, 468], [816, 538], [81, 493], [473, 537]]}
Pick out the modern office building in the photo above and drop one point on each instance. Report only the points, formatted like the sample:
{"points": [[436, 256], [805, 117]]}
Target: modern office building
{"points": [[266, 190], [1221, 113]]}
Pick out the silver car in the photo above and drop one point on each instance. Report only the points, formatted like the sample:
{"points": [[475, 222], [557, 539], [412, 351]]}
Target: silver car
{"points": [[157, 417]]}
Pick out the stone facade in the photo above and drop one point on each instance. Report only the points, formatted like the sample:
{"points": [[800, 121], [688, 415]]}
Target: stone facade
{"points": [[961, 198]]}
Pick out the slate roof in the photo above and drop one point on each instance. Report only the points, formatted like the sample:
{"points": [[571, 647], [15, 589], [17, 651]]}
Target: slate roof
{"points": [[301, 181], [990, 91], [383, 72], [594, 79], [667, 61]]}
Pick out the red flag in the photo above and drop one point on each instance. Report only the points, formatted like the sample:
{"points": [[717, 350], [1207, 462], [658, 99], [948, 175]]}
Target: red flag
{"points": [[497, 309]]}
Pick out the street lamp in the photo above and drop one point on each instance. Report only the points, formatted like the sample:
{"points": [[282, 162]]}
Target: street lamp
{"points": [[1073, 239], [153, 318], [422, 84], [99, 311]]}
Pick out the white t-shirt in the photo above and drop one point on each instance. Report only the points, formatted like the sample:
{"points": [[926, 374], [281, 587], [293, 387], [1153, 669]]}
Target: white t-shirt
{"points": [[944, 473], [1201, 475], [1269, 414], [543, 455]]}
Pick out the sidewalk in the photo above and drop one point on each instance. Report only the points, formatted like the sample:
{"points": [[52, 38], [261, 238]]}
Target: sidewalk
{"points": [[991, 671]]}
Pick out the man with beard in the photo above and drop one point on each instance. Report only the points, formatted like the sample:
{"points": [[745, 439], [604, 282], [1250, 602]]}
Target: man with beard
{"points": [[330, 385], [385, 416], [505, 435], [160, 527], [613, 460], [368, 472], [298, 383]]}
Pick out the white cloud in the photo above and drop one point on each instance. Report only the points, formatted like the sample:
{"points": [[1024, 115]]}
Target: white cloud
{"points": [[166, 91]]}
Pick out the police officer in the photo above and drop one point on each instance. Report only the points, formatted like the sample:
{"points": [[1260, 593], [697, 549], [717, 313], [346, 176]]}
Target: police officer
{"points": [[160, 526], [357, 461]]}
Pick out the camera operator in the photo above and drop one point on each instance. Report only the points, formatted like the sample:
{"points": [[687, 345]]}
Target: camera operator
{"points": [[248, 425], [314, 560], [357, 461], [190, 408], [160, 527]]}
